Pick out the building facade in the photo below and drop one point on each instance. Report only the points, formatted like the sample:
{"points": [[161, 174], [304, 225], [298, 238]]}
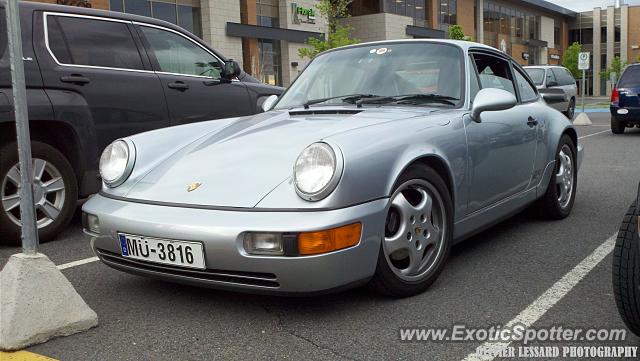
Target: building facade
{"points": [[264, 35]]}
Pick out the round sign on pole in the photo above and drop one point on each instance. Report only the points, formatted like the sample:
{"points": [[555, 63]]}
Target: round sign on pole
{"points": [[583, 60]]}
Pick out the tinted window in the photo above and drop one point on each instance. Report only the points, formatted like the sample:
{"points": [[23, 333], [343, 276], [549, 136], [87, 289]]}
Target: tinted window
{"points": [[527, 91], [551, 78], [536, 74], [567, 78], [494, 72], [92, 42], [562, 77], [473, 81], [630, 78], [3, 31], [176, 54]]}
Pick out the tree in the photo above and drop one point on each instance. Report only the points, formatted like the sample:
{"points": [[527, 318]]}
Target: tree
{"points": [[337, 35], [570, 59], [617, 66], [456, 33]]}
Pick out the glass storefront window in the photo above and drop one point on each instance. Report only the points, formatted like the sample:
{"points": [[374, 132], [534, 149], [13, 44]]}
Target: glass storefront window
{"points": [[270, 61], [183, 13], [448, 11], [416, 9]]}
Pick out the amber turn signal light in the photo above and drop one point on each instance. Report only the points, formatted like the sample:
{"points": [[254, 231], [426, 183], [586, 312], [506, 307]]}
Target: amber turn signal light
{"points": [[329, 240]]}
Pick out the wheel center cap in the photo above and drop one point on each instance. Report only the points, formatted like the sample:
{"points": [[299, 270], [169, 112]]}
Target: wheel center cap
{"points": [[418, 230]]}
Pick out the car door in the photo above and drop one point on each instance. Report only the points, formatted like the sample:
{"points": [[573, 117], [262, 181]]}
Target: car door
{"points": [[190, 76], [502, 147], [566, 83], [95, 63]]}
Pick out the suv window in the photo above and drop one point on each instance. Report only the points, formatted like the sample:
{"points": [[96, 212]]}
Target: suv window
{"points": [[179, 55], [92, 42], [527, 91], [536, 74], [630, 77], [494, 72], [551, 78], [562, 77], [3, 31]]}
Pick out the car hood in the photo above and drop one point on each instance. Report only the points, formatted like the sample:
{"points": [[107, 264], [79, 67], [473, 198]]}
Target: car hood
{"points": [[241, 163]]}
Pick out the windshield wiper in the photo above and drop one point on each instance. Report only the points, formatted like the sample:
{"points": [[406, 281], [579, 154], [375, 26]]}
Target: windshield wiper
{"points": [[349, 98], [410, 99]]}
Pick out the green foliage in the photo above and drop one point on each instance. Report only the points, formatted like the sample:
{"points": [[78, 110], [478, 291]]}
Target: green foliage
{"points": [[617, 66], [338, 35], [570, 59], [456, 33]]}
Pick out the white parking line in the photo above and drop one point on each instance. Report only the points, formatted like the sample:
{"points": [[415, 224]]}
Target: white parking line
{"points": [[592, 134], [77, 263], [552, 296]]}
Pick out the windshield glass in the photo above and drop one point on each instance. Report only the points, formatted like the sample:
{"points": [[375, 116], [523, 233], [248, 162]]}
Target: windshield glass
{"points": [[537, 75], [380, 70]]}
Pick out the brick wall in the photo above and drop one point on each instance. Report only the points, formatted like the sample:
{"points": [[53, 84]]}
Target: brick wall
{"points": [[633, 39], [466, 17]]}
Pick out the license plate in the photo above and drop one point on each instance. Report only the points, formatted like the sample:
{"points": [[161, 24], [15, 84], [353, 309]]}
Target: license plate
{"points": [[158, 250]]}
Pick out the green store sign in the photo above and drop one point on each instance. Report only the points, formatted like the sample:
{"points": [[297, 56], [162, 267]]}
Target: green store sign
{"points": [[303, 15]]}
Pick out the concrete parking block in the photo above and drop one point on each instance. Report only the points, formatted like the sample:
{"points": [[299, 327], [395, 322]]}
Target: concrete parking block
{"points": [[582, 119], [38, 303]]}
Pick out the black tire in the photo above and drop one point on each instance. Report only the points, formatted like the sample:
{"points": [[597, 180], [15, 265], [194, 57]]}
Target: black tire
{"points": [[548, 205], [617, 127], [571, 110], [10, 232], [385, 280], [626, 270]]}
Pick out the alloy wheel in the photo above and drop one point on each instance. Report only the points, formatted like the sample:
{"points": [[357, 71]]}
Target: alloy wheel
{"points": [[415, 230], [48, 193], [564, 176]]}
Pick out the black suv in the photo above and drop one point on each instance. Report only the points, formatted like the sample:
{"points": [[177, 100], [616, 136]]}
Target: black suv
{"points": [[92, 77]]}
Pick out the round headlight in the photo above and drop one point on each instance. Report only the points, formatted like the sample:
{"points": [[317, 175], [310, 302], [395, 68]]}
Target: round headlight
{"points": [[116, 162], [317, 171]]}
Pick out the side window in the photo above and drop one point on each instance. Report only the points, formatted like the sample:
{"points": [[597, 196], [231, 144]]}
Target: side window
{"points": [[474, 87], [92, 42], [527, 91], [568, 78], [3, 31], [494, 72], [551, 78], [179, 55]]}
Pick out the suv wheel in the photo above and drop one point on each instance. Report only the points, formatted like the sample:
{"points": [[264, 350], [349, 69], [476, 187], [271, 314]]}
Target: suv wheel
{"points": [[571, 110], [55, 192], [616, 126]]}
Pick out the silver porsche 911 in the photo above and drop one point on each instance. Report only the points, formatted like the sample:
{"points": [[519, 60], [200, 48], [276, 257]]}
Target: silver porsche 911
{"points": [[375, 161]]}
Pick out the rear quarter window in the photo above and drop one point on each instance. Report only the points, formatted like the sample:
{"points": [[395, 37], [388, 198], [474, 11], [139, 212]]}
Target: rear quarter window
{"points": [[630, 77]]}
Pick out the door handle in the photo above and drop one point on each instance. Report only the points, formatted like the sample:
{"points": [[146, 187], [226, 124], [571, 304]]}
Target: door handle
{"points": [[75, 79], [178, 86], [532, 122]]}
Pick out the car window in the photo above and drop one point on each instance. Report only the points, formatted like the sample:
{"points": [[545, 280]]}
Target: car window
{"points": [[179, 55], [527, 91], [3, 31], [473, 81], [494, 72], [536, 74], [567, 77], [630, 78], [551, 78], [561, 77], [92, 42]]}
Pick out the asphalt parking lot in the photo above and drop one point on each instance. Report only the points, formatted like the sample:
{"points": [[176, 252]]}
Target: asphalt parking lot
{"points": [[490, 280]]}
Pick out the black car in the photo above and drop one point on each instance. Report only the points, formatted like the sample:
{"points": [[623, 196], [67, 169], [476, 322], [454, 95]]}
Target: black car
{"points": [[626, 267], [625, 100], [94, 76]]}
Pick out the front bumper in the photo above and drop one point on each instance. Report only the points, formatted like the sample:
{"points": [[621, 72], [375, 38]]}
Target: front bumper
{"points": [[221, 233]]}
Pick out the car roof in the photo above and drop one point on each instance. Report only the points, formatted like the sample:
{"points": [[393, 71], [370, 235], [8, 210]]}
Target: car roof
{"points": [[462, 44], [543, 66]]}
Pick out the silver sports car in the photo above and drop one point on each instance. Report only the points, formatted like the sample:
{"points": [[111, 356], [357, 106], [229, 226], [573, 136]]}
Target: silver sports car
{"points": [[375, 161]]}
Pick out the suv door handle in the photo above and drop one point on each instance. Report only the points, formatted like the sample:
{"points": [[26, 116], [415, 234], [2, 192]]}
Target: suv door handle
{"points": [[532, 122], [75, 79], [178, 85]]}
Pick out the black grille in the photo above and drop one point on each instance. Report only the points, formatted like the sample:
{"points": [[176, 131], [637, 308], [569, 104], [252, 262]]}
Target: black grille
{"points": [[235, 277]]}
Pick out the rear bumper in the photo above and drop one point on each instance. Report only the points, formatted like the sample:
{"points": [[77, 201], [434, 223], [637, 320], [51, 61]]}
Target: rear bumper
{"points": [[228, 266], [626, 115]]}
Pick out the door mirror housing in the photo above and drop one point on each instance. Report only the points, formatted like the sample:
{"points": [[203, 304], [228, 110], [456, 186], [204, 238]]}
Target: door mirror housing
{"points": [[491, 100], [268, 103], [231, 69]]}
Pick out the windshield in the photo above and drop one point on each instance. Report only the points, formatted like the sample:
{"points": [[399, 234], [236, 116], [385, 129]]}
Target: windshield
{"points": [[384, 70], [536, 74]]}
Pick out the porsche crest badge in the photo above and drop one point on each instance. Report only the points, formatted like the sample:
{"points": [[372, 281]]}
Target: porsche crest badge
{"points": [[193, 186]]}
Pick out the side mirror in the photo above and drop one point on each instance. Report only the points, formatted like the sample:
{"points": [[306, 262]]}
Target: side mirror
{"points": [[552, 83], [231, 69], [268, 103], [491, 100]]}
